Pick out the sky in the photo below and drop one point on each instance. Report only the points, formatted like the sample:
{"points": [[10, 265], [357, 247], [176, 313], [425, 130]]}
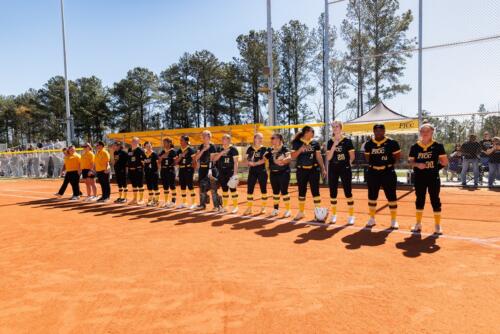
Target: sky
{"points": [[106, 38]]}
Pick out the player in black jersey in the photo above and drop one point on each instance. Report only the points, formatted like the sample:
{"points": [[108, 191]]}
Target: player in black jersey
{"points": [[427, 157], [151, 173], [135, 166], [279, 170], [185, 161], [306, 152], [227, 165], [340, 155], [204, 157], [120, 158], [382, 153], [256, 173], [167, 172]]}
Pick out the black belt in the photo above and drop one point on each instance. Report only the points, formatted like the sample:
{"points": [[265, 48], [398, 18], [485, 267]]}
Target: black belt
{"points": [[204, 166], [380, 168], [187, 166], [134, 168], [307, 167]]}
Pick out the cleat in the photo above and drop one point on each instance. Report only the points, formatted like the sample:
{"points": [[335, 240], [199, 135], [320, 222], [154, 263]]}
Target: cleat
{"points": [[74, 198], [123, 201], [299, 216], [118, 200], [371, 222], [216, 209], [275, 212], [263, 211], [200, 207], [438, 230], [287, 214], [140, 202], [193, 207], [333, 219], [235, 210], [222, 210], [132, 202], [102, 200], [350, 220], [247, 212], [394, 224], [170, 205], [181, 206], [417, 228]]}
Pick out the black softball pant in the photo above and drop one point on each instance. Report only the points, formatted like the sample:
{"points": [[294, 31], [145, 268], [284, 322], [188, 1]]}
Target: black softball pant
{"points": [[186, 178], [121, 178], [305, 177], [152, 181], [136, 177], [427, 182], [224, 177], [168, 179], [254, 177], [74, 180], [343, 172], [386, 179], [104, 182], [280, 182]]}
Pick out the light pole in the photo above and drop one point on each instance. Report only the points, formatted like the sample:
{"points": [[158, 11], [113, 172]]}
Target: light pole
{"points": [[420, 31], [69, 138], [270, 105], [326, 62]]}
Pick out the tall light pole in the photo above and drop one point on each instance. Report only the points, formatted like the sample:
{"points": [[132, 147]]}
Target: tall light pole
{"points": [[326, 61], [420, 31], [271, 103], [69, 138]]}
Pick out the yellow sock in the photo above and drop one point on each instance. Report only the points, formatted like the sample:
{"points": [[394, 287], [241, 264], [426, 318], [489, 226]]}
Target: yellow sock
{"points": [[302, 204], [150, 196], [141, 194], [276, 201], [120, 191], [317, 202], [249, 200], [165, 195], [157, 196], [225, 198], [286, 200], [350, 206], [437, 218], [393, 209], [183, 195], [263, 200], [419, 215], [125, 192], [234, 196], [333, 204], [135, 190], [174, 196], [372, 208], [193, 196]]}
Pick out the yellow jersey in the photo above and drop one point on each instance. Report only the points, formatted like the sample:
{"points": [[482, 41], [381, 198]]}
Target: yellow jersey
{"points": [[72, 162], [87, 160], [101, 160]]}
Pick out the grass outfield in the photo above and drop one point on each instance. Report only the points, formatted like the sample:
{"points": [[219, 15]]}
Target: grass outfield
{"points": [[75, 267]]}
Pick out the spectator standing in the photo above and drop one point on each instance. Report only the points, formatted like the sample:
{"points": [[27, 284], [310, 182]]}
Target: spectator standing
{"points": [[471, 150], [486, 144], [494, 162], [454, 163]]}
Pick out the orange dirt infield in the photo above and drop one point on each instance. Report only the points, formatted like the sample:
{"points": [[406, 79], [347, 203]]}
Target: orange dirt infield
{"points": [[75, 267]]}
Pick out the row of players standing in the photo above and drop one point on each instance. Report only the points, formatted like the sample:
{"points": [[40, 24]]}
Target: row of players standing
{"points": [[218, 167]]}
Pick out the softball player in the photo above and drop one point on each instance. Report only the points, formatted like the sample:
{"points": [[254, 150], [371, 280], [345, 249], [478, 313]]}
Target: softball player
{"points": [[204, 156], [227, 160], [382, 153], [120, 158], [185, 161], [102, 170], [167, 171], [151, 173], [307, 153], [427, 157], [86, 165], [279, 173], [256, 173], [135, 166], [340, 155], [72, 167]]}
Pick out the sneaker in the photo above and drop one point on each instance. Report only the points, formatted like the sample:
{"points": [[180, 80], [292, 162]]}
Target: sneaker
{"points": [[235, 210], [299, 216], [222, 210], [275, 212], [193, 207], [438, 230], [216, 209], [132, 202], [74, 198], [149, 203], [394, 224], [287, 214], [102, 200], [417, 228], [333, 219], [247, 212], [262, 211], [169, 205], [182, 206], [200, 207], [350, 220], [118, 200], [371, 222], [140, 202]]}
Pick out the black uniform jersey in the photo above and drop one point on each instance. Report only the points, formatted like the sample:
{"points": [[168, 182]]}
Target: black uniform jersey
{"points": [[307, 158], [186, 156], [255, 155], [168, 159], [120, 159], [427, 154], [135, 158], [205, 156], [380, 154], [151, 162], [272, 155], [341, 154], [226, 162]]}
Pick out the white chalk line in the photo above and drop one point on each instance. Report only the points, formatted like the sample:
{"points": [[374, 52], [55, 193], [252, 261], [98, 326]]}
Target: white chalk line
{"points": [[490, 242]]}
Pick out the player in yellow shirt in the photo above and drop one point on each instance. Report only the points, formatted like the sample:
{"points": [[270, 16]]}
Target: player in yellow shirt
{"points": [[102, 170], [72, 167], [87, 165]]}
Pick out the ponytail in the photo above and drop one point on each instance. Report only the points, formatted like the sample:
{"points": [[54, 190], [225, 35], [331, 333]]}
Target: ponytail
{"points": [[302, 132]]}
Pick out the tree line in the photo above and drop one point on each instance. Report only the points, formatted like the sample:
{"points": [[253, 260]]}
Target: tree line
{"points": [[199, 90]]}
